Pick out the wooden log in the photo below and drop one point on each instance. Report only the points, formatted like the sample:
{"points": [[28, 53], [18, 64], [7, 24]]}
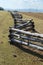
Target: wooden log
{"points": [[27, 24], [22, 25], [29, 29], [28, 44], [27, 33], [27, 38], [16, 15], [22, 20], [25, 28]]}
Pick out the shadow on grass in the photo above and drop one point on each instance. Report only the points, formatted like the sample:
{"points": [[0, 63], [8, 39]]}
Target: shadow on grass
{"points": [[28, 50], [35, 31]]}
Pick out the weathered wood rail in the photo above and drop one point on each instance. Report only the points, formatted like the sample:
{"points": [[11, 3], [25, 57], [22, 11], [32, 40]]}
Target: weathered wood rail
{"points": [[16, 15], [17, 33], [18, 38], [24, 24], [27, 32]]}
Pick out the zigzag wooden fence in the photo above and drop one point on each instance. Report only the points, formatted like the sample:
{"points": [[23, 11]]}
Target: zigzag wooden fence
{"points": [[23, 32]]}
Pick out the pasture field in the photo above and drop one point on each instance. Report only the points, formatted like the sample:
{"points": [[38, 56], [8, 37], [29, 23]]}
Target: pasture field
{"points": [[18, 55]]}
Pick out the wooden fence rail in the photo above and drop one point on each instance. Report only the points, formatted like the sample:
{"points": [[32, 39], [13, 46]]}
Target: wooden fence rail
{"points": [[21, 36]]}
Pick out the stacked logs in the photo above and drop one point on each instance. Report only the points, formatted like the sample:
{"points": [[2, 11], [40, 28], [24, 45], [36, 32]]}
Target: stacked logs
{"points": [[20, 32]]}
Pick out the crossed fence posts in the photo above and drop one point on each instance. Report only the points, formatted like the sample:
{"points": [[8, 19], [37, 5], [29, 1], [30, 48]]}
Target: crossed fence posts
{"points": [[20, 33]]}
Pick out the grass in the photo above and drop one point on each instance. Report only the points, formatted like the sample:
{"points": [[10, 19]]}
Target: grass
{"points": [[11, 54]]}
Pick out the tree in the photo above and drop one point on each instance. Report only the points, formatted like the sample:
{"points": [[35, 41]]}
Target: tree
{"points": [[1, 8]]}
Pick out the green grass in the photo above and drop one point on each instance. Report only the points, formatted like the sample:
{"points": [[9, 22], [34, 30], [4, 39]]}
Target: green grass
{"points": [[8, 51]]}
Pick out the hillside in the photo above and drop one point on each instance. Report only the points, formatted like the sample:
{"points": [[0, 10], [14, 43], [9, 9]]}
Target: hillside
{"points": [[18, 55], [37, 15]]}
